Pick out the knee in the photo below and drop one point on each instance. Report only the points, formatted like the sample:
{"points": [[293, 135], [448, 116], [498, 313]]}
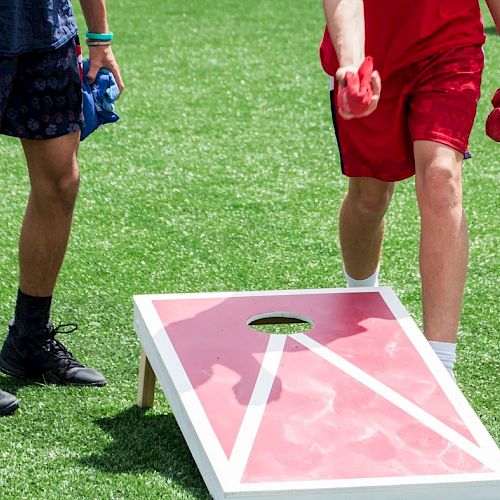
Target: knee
{"points": [[369, 203], [58, 191], [439, 188]]}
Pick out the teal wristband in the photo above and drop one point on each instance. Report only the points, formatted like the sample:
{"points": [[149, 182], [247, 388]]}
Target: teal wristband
{"points": [[105, 37]]}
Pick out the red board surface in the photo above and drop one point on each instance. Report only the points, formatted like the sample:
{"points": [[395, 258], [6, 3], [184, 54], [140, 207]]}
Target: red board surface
{"points": [[324, 425], [324, 414]]}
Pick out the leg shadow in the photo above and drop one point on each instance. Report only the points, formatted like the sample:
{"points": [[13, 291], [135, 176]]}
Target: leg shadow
{"points": [[148, 443], [13, 384]]}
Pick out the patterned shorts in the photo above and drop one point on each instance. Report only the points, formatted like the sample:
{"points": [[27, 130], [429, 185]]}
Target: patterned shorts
{"points": [[433, 100], [41, 94]]}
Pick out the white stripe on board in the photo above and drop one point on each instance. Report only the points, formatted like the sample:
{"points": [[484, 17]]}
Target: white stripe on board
{"points": [[483, 456], [184, 395], [379, 483], [140, 299], [256, 406]]}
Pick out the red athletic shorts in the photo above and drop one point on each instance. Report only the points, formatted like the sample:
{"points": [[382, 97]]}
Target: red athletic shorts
{"points": [[432, 100]]}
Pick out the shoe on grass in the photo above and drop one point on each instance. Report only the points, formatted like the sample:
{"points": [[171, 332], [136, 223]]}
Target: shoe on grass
{"points": [[36, 354], [8, 403]]}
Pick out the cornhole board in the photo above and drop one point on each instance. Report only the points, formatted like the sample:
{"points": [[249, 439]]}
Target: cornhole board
{"points": [[357, 407]]}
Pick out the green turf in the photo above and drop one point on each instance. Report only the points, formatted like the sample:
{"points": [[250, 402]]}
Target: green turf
{"points": [[222, 175]]}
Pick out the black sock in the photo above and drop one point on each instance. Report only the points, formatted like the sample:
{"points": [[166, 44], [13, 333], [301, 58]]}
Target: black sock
{"points": [[32, 311]]}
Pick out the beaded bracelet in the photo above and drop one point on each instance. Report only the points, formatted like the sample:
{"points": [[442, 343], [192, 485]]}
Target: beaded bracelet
{"points": [[93, 43], [105, 37]]}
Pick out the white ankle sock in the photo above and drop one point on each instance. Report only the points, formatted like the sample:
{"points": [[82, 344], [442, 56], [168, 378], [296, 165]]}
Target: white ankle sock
{"points": [[446, 352], [370, 281]]}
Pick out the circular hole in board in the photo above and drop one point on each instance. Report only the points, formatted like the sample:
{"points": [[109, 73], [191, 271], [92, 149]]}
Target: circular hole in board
{"points": [[281, 323]]}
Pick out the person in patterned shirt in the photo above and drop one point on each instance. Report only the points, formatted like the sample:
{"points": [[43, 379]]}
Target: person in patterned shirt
{"points": [[41, 103]]}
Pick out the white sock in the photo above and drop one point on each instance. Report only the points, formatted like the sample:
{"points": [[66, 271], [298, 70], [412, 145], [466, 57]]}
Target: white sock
{"points": [[446, 352], [370, 281]]}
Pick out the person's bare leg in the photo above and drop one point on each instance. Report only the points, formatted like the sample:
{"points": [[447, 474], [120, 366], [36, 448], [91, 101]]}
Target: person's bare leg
{"points": [[443, 241], [44, 237], [30, 349], [361, 224]]}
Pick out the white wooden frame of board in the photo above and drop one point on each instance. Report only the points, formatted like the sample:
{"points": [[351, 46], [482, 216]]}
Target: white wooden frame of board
{"points": [[222, 475]]}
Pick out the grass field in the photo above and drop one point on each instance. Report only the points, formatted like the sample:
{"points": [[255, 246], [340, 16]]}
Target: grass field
{"points": [[222, 175]]}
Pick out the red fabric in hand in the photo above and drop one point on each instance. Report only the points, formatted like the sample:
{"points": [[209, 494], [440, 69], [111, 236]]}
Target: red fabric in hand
{"points": [[357, 95], [493, 120]]}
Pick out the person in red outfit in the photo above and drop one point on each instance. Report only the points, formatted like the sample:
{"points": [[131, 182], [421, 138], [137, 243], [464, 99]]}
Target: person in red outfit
{"points": [[428, 61]]}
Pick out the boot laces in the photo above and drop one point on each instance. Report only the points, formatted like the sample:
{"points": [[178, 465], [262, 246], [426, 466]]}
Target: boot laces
{"points": [[56, 350]]}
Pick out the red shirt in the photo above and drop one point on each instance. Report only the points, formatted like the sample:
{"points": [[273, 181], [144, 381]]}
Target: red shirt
{"points": [[402, 32]]}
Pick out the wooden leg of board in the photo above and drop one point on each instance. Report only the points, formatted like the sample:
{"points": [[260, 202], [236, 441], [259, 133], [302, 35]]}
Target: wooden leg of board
{"points": [[147, 379]]}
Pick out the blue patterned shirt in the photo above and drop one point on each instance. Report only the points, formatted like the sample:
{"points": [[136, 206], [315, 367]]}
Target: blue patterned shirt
{"points": [[33, 25]]}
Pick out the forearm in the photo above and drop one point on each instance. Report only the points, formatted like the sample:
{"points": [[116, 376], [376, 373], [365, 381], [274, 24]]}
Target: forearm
{"points": [[345, 20], [95, 15], [494, 6], [100, 56]]}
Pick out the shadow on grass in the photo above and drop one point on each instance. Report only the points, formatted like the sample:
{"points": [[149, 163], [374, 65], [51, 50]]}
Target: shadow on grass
{"points": [[13, 384], [148, 443], [491, 30]]}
